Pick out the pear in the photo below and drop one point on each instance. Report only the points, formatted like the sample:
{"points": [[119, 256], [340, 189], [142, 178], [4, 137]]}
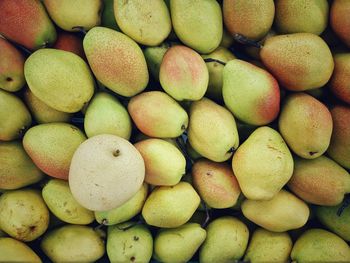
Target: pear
{"points": [[212, 131], [170, 206], [75, 15], [320, 181], [306, 125], [106, 115], [178, 244], [23, 214], [340, 78], [198, 24], [60, 201], [26, 23], [43, 113], [12, 250], [70, 42], [183, 73], [262, 164], [164, 162], [227, 40], [192, 152], [11, 67], [61, 79], [215, 183], [14, 117], [154, 57], [340, 20], [339, 148], [170, 122], [215, 70], [107, 16], [73, 243], [282, 213], [267, 246], [227, 240], [51, 147], [126, 211], [17, 169], [318, 245], [134, 244], [116, 61], [98, 177], [296, 16], [299, 61], [148, 23], [338, 224], [250, 93], [252, 19]]}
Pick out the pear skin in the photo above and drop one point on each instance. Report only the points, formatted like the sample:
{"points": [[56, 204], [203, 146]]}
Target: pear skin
{"points": [[340, 20], [154, 57], [306, 125], [12, 250], [273, 164], [339, 83], [70, 42], [107, 16], [212, 131]]}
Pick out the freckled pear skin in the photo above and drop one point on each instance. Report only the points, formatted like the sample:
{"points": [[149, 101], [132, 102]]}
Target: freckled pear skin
{"points": [[26, 23], [170, 122], [197, 23], [183, 74], [11, 67], [250, 93], [299, 61], [116, 61], [51, 147], [12, 250], [252, 19], [340, 20], [306, 125], [340, 81]]}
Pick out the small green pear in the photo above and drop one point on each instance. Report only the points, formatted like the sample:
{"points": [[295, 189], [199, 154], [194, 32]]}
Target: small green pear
{"points": [[73, 243], [107, 16], [126, 211], [267, 246], [212, 131], [178, 245], [23, 214], [12, 250], [263, 164], [17, 169], [154, 57], [170, 206], [14, 117], [318, 245], [227, 240], [283, 212], [60, 201], [134, 244]]}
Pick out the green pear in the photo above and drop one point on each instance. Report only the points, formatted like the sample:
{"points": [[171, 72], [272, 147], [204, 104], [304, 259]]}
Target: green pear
{"points": [[170, 122], [60, 201], [164, 162], [170, 206], [106, 115], [51, 147], [59, 78], [267, 246], [212, 131], [23, 214], [198, 24], [17, 169], [320, 181], [73, 243], [107, 16], [252, 94], [154, 57], [12, 250], [134, 244], [263, 164], [338, 224], [126, 211], [318, 245], [74, 15], [227, 240], [227, 39], [306, 125], [177, 245], [14, 117], [215, 70], [147, 22], [192, 152], [283, 212]]}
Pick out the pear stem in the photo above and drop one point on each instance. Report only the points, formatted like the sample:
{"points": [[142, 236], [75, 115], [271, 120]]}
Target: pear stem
{"points": [[207, 216], [345, 204], [139, 222], [80, 29], [246, 41], [206, 60]]}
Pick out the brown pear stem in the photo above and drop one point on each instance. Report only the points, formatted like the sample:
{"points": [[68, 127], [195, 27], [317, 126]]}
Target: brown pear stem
{"points": [[345, 204], [80, 29], [206, 60], [139, 222], [207, 216], [246, 41]]}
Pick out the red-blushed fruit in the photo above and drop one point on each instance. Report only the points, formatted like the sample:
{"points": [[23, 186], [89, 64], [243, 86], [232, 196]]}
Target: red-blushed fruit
{"points": [[340, 81], [70, 42], [340, 19]]}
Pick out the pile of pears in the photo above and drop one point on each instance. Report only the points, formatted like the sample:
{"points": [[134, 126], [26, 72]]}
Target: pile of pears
{"points": [[174, 131]]}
